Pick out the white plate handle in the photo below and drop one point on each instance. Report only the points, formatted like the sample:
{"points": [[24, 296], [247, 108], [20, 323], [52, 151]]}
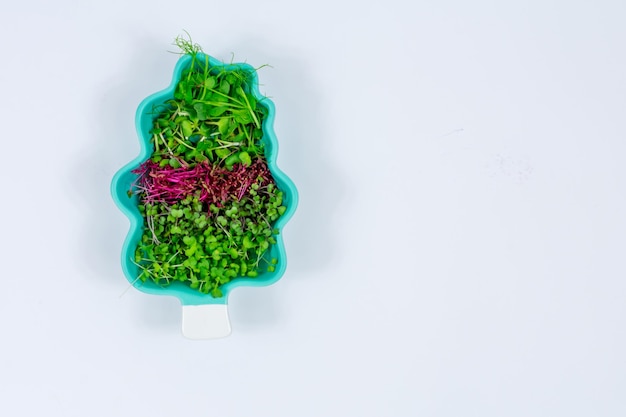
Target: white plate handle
{"points": [[207, 321]]}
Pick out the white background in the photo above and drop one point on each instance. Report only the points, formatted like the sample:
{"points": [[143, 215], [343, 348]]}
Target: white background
{"points": [[458, 250]]}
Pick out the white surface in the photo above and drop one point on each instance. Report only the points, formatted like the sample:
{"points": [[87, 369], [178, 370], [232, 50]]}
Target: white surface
{"points": [[458, 251], [206, 321]]}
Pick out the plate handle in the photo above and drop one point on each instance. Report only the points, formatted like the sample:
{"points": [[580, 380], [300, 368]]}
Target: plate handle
{"points": [[206, 321]]}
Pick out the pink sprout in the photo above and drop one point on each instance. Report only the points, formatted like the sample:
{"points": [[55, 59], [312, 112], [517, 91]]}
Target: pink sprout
{"points": [[216, 185]]}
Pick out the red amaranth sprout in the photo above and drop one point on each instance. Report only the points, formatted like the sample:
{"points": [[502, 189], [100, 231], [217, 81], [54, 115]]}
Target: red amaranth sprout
{"points": [[215, 184]]}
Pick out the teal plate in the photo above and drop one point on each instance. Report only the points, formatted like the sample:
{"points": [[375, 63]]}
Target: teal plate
{"points": [[203, 315]]}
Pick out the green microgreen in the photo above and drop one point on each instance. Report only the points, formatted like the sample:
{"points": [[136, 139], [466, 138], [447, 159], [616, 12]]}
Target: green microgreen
{"points": [[206, 194]]}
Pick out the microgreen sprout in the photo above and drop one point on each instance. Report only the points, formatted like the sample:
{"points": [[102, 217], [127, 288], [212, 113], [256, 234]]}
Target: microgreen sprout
{"points": [[186, 45]]}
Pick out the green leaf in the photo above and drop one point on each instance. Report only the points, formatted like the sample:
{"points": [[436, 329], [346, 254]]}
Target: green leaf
{"points": [[222, 152], [223, 125], [217, 111], [203, 145], [186, 128], [245, 159], [202, 110], [231, 160], [209, 83], [184, 91], [252, 101], [224, 87], [190, 251], [242, 116]]}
